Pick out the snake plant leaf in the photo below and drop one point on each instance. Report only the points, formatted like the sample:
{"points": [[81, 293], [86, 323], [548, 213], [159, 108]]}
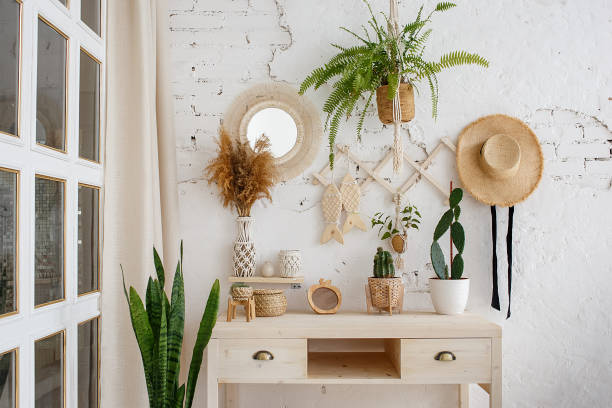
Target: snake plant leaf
{"points": [[443, 224], [455, 197], [206, 326], [154, 301], [162, 358], [437, 260], [144, 337], [176, 328], [159, 268], [457, 267], [458, 236], [180, 396]]}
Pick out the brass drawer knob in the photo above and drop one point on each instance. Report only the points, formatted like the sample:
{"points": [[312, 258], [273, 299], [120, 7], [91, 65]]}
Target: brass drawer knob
{"points": [[445, 356], [263, 355]]}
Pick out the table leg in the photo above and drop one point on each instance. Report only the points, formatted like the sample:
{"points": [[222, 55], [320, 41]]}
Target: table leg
{"points": [[212, 383], [464, 395], [495, 396]]}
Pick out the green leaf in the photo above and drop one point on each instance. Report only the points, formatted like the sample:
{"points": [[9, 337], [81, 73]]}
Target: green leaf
{"points": [[144, 337], [417, 213], [395, 231], [206, 327], [443, 224], [180, 396], [175, 331], [458, 236], [159, 268], [437, 260], [445, 6], [457, 213], [390, 225], [162, 358], [457, 267], [154, 306], [385, 236], [455, 197]]}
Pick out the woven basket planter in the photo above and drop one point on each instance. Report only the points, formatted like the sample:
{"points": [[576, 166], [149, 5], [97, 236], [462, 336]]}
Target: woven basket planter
{"points": [[269, 302], [242, 292], [385, 105], [381, 296]]}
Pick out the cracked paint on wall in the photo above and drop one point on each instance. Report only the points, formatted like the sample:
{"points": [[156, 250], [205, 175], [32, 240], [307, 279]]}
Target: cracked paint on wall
{"points": [[549, 67]]}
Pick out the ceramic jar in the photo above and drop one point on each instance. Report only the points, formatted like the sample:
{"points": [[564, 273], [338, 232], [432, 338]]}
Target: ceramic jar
{"points": [[267, 269], [290, 263]]}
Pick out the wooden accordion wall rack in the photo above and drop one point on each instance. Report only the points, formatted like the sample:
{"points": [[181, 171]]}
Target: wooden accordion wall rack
{"points": [[374, 174]]}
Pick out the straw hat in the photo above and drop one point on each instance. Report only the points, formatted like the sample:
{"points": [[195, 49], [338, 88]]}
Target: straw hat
{"points": [[499, 160]]}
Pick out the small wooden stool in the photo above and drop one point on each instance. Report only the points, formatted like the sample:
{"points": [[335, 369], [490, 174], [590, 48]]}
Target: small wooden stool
{"points": [[248, 304]]}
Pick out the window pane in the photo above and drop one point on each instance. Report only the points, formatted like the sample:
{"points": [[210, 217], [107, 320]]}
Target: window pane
{"points": [[8, 375], [88, 364], [49, 240], [90, 14], [8, 241], [51, 88], [9, 66], [49, 372], [89, 108], [89, 204]]}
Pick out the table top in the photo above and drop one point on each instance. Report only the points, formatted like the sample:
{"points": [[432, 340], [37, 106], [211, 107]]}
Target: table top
{"points": [[357, 325]]}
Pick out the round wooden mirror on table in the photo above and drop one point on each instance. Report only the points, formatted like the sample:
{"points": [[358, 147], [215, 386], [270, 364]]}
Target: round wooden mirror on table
{"points": [[324, 298], [290, 121]]}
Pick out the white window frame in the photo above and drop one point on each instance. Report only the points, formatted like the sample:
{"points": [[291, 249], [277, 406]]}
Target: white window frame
{"points": [[21, 153]]}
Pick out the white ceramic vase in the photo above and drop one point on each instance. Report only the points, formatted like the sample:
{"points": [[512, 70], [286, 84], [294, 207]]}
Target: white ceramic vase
{"points": [[449, 296]]}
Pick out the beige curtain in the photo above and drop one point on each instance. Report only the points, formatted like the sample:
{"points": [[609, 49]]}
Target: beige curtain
{"points": [[140, 204]]}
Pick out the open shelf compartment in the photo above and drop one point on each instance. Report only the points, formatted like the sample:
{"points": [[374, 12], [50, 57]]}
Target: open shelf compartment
{"points": [[354, 359]]}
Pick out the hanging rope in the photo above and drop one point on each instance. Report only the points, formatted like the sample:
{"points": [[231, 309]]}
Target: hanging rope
{"points": [[398, 151]]}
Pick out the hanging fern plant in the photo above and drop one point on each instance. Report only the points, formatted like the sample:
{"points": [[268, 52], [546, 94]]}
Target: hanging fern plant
{"points": [[381, 58]]}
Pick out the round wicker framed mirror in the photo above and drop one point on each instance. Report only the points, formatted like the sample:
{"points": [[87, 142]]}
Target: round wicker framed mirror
{"points": [[290, 121]]}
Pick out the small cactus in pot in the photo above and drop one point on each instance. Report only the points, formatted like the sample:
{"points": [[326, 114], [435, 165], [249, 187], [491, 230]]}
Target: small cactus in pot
{"points": [[383, 264], [385, 289]]}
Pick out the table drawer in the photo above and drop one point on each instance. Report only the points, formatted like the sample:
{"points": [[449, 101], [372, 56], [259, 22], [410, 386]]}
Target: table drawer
{"points": [[465, 361], [237, 358]]}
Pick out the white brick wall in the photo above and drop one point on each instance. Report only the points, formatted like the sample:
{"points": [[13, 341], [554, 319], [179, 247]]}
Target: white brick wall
{"points": [[550, 66]]}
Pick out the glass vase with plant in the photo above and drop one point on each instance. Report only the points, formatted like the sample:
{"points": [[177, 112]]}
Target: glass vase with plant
{"points": [[387, 59]]}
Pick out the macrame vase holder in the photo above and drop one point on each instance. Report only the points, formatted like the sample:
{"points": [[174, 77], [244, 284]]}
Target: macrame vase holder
{"points": [[495, 296], [244, 262]]}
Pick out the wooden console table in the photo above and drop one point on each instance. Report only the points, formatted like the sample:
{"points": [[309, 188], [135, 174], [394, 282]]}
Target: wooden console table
{"points": [[355, 348]]}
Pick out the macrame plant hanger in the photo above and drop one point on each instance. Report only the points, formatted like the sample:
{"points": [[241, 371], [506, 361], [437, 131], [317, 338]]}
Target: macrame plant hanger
{"points": [[398, 150]]}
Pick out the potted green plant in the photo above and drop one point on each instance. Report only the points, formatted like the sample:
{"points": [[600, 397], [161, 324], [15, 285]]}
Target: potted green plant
{"points": [[385, 287], [384, 61], [449, 291], [397, 229], [159, 332]]}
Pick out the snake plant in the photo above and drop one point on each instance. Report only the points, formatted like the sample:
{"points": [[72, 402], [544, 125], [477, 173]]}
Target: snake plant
{"points": [[381, 57], [159, 332]]}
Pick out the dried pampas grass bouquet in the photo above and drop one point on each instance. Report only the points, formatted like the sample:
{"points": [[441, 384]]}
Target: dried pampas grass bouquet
{"points": [[243, 175]]}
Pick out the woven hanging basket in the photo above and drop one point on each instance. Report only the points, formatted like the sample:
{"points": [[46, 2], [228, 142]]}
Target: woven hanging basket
{"points": [[269, 302], [385, 105], [379, 291]]}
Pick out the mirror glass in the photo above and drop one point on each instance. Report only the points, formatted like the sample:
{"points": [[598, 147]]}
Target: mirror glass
{"points": [[278, 126]]}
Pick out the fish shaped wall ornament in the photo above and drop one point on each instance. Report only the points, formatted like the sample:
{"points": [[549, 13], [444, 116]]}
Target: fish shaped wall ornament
{"points": [[332, 207], [351, 198]]}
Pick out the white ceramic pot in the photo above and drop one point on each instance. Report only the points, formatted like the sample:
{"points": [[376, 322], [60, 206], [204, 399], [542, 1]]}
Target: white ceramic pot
{"points": [[449, 296]]}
